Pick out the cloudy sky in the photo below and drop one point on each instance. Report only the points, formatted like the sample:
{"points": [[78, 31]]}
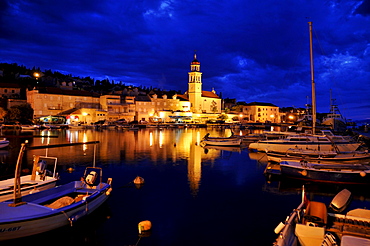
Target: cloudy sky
{"points": [[251, 50]]}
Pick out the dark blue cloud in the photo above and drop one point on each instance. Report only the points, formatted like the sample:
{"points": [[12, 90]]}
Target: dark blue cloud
{"points": [[249, 50]]}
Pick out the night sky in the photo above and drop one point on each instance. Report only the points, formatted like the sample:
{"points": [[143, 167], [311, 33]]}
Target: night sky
{"points": [[249, 50]]}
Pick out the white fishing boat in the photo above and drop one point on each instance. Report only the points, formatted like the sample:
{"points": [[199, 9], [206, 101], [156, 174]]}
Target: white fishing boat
{"points": [[314, 223], [335, 119], [4, 143], [28, 127], [325, 156], [349, 173], [221, 141], [52, 208], [327, 141], [40, 179], [76, 126], [307, 141]]}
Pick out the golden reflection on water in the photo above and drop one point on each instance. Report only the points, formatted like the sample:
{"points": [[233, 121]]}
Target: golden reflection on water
{"points": [[133, 147]]}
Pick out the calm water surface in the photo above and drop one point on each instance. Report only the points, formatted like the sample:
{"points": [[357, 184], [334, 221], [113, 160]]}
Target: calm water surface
{"points": [[192, 195]]}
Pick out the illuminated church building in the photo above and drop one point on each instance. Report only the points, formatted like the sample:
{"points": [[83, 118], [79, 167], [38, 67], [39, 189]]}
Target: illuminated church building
{"points": [[200, 101]]}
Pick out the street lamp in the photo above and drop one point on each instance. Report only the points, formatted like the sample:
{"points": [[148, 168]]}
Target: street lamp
{"points": [[36, 75], [85, 114], [272, 118]]}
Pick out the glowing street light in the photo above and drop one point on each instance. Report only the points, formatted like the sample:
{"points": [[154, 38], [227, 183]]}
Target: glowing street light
{"points": [[85, 114], [36, 75]]}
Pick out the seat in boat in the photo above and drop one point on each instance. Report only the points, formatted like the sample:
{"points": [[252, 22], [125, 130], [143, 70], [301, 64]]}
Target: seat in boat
{"points": [[312, 229], [316, 213]]}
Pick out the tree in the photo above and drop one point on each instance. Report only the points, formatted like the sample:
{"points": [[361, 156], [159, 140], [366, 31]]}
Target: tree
{"points": [[3, 113], [21, 113]]}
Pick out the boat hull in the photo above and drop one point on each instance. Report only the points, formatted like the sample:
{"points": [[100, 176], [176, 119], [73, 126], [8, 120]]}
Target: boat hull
{"points": [[27, 186], [326, 174], [34, 218], [283, 147], [222, 142], [319, 156], [4, 143]]}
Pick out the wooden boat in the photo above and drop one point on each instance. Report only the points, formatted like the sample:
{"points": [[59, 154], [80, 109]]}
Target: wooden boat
{"points": [[4, 143], [306, 141], [352, 173], [28, 127], [315, 155], [40, 178], [52, 208], [223, 148], [76, 126], [314, 223], [221, 141]]}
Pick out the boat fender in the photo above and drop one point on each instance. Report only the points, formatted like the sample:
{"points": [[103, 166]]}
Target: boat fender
{"points": [[108, 191], [279, 227], [304, 173], [363, 174]]}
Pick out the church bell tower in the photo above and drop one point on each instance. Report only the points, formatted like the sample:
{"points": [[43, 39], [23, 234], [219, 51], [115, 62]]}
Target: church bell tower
{"points": [[195, 86]]}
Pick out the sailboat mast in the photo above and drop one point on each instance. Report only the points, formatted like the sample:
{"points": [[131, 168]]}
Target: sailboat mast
{"points": [[312, 82]]}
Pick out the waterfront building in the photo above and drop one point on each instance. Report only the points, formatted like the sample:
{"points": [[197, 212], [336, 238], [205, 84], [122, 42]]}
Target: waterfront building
{"points": [[10, 90], [54, 101], [79, 106], [260, 112]]}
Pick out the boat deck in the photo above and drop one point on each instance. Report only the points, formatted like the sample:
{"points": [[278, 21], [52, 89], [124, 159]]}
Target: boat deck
{"points": [[349, 226], [354, 167]]}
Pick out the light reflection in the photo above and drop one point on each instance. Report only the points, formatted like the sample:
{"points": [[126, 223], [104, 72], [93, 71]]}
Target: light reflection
{"points": [[76, 135], [180, 146], [84, 140], [47, 137], [198, 138], [161, 139]]}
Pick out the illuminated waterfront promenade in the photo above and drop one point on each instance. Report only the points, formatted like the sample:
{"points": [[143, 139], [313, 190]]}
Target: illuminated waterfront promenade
{"points": [[192, 195]]}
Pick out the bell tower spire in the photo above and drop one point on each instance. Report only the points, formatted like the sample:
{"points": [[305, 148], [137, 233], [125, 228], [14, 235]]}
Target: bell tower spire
{"points": [[195, 85]]}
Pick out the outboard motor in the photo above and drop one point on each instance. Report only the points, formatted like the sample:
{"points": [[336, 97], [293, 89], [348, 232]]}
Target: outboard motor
{"points": [[41, 169], [341, 201], [91, 178]]}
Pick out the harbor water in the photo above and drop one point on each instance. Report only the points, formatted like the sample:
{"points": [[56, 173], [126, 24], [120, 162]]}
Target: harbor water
{"points": [[192, 195]]}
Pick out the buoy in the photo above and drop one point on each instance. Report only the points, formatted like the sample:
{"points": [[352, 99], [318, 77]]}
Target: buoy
{"points": [[108, 191], [138, 180], [70, 169], [144, 226], [304, 173], [363, 174]]}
